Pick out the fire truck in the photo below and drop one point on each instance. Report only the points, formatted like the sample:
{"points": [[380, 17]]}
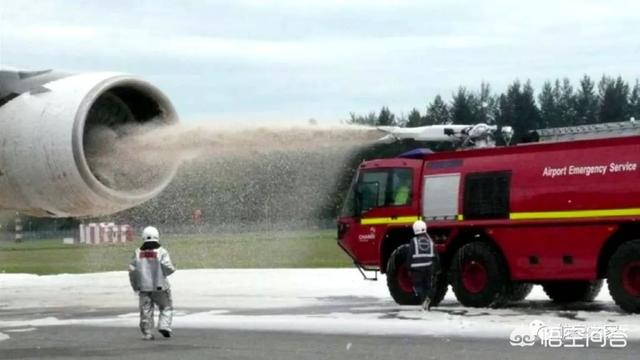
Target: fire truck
{"points": [[562, 212]]}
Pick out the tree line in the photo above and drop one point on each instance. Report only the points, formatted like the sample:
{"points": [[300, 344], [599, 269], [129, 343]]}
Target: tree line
{"points": [[558, 104]]}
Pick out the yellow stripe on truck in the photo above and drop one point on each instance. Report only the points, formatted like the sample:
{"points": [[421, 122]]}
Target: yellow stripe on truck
{"points": [[573, 214], [538, 215], [388, 220]]}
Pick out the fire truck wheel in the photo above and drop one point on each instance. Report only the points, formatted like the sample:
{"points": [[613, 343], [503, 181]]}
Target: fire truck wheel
{"points": [[623, 276], [572, 291], [479, 276], [398, 278], [518, 291]]}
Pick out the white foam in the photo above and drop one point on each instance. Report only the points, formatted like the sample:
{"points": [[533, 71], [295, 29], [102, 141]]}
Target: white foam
{"points": [[22, 330], [328, 301]]}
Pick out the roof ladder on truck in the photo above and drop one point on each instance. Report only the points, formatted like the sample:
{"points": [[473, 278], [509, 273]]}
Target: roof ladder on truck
{"points": [[591, 131]]}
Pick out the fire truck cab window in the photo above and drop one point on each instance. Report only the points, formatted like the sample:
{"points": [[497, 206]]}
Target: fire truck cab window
{"points": [[372, 189], [400, 187], [486, 195], [389, 187]]}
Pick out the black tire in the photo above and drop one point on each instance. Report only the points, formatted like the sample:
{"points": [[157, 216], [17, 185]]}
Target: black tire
{"points": [[442, 286], [397, 269], [518, 291], [627, 297], [492, 293], [572, 291]]}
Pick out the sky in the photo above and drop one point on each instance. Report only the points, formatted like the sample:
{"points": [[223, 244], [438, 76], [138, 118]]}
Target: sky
{"points": [[291, 60]]}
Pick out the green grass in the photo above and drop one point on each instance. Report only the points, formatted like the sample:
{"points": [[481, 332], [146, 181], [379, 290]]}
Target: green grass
{"points": [[292, 249]]}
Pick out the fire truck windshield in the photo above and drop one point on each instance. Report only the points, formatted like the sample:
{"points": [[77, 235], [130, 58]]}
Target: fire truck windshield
{"points": [[377, 188], [349, 205]]}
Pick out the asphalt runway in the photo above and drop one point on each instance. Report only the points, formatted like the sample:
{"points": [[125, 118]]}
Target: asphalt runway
{"points": [[98, 342], [288, 314], [86, 342]]}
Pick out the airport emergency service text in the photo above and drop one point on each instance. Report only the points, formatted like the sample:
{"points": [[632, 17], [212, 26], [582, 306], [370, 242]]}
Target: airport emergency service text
{"points": [[571, 170]]}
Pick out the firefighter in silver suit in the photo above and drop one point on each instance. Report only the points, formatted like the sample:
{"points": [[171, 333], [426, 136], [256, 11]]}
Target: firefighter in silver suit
{"points": [[148, 272]]}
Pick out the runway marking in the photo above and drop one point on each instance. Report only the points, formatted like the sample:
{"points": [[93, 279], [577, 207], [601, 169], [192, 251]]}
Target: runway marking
{"points": [[21, 330]]}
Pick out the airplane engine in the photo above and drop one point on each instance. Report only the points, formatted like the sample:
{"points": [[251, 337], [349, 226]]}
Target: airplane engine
{"points": [[45, 119]]}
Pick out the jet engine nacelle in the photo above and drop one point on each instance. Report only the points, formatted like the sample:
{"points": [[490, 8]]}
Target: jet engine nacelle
{"points": [[44, 119]]}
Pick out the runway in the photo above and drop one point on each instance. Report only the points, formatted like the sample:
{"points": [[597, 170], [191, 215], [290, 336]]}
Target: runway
{"points": [[283, 314], [89, 342]]}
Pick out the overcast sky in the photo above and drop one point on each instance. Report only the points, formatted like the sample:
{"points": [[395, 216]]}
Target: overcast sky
{"points": [[291, 60]]}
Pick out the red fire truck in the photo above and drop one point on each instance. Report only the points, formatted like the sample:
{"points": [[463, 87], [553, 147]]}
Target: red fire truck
{"points": [[564, 214]]}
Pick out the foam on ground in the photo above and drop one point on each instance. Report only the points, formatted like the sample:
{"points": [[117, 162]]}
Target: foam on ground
{"points": [[331, 301]]}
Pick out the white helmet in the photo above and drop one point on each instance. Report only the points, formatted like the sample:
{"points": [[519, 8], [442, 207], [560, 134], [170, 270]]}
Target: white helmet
{"points": [[150, 234], [419, 227]]}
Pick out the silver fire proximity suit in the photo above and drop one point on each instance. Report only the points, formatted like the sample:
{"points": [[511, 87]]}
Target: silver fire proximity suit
{"points": [[148, 272]]}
